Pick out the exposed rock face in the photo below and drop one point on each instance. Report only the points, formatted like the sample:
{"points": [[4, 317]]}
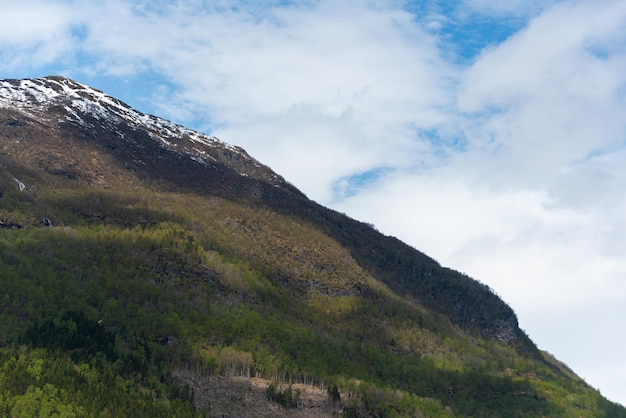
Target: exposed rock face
{"points": [[504, 330]]}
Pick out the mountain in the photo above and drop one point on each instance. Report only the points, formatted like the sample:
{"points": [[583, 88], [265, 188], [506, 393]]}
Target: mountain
{"points": [[151, 270]]}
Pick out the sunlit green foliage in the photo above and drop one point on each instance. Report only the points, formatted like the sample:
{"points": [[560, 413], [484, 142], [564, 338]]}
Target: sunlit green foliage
{"points": [[45, 383]]}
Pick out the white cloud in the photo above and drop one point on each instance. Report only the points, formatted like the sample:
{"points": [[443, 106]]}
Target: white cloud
{"points": [[28, 22], [556, 89], [34, 33], [348, 84]]}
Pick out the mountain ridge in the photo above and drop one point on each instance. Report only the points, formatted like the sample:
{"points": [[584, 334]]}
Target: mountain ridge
{"points": [[54, 92], [198, 224], [35, 96]]}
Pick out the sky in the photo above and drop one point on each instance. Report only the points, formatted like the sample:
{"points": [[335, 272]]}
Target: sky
{"points": [[490, 135]]}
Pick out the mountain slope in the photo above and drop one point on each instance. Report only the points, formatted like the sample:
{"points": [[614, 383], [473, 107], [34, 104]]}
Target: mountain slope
{"points": [[153, 149], [167, 261]]}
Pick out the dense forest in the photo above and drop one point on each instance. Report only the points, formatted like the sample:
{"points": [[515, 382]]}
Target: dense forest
{"points": [[99, 310]]}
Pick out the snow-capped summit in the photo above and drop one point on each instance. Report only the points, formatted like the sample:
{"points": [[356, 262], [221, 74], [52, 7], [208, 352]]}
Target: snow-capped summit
{"points": [[79, 105]]}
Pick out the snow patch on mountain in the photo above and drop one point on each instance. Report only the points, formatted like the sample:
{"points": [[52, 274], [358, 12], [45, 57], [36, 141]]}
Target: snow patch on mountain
{"points": [[35, 96], [20, 185]]}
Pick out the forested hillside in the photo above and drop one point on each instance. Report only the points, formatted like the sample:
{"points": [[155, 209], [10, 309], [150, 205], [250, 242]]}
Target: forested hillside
{"points": [[137, 281]]}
